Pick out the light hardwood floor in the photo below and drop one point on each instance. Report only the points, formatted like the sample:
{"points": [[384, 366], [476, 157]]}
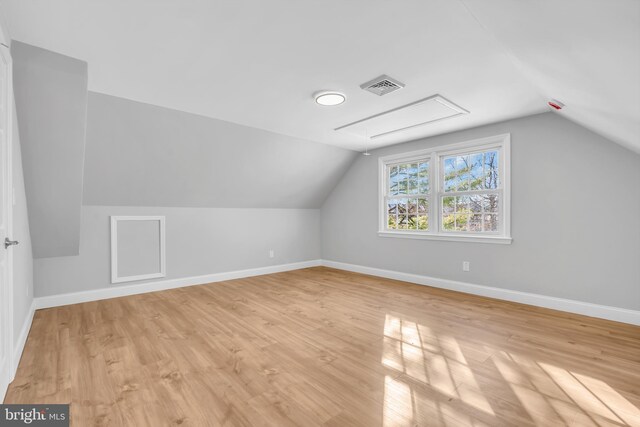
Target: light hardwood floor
{"points": [[326, 347]]}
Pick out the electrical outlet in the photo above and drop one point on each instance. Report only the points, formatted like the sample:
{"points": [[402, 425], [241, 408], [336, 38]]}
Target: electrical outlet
{"points": [[465, 266], [272, 253]]}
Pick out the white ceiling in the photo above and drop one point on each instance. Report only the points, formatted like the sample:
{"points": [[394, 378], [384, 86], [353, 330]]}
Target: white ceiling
{"points": [[257, 62]]}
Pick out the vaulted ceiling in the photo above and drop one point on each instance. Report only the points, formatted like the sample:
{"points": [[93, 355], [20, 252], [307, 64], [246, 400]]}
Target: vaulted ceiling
{"points": [[257, 63]]}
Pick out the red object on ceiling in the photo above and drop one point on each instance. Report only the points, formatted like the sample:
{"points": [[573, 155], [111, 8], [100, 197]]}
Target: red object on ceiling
{"points": [[556, 104]]}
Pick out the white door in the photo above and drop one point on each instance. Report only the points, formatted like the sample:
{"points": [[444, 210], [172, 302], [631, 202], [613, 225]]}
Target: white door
{"points": [[6, 283]]}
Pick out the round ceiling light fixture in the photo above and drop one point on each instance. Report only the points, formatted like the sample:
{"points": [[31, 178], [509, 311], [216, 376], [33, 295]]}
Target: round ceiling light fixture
{"points": [[329, 98]]}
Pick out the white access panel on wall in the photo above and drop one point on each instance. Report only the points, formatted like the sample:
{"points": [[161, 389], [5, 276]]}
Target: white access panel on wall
{"points": [[137, 248]]}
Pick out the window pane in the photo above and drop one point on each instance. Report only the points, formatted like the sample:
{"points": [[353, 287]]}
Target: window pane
{"points": [[490, 222], [413, 178], [412, 206], [462, 204], [406, 213], [402, 214], [476, 203], [423, 222], [449, 222], [393, 180], [423, 178], [462, 221], [392, 207], [490, 203], [402, 206], [413, 222], [392, 214], [448, 204], [469, 213], [472, 172], [463, 173], [457, 173], [423, 206], [475, 223], [402, 179], [393, 188], [449, 174], [491, 172], [476, 173]]}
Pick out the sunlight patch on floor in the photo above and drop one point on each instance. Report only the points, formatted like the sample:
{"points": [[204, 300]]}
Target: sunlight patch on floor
{"points": [[580, 394], [543, 393], [407, 352], [398, 404], [614, 400], [552, 394]]}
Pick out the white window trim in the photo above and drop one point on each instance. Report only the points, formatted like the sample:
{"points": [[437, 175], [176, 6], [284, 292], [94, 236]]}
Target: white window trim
{"points": [[435, 155]]}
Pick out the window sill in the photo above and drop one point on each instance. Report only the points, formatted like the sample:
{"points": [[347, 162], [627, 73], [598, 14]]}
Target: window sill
{"points": [[446, 237]]}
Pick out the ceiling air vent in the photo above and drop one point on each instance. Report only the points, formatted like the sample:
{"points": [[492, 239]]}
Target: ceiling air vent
{"points": [[382, 85]]}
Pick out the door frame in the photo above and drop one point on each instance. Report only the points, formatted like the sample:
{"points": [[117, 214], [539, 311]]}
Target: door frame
{"points": [[7, 307]]}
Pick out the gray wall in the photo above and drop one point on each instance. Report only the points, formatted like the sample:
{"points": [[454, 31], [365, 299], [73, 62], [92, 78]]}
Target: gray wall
{"points": [[230, 193], [22, 253], [142, 155], [199, 241], [51, 101], [575, 228]]}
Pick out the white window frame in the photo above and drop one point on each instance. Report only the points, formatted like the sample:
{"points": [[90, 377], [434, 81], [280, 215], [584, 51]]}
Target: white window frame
{"points": [[435, 156]]}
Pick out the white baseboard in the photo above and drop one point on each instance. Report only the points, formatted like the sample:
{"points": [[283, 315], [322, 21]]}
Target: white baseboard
{"points": [[571, 306], [22, 339], [161, 285]]}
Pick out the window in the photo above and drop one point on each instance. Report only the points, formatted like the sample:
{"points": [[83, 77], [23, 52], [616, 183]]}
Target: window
{"points": [[455, 192], [408, 196]]}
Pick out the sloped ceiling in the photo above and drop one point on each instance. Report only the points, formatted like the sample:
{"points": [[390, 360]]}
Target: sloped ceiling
{"points": [[258, 62], [143, 155], [51, 105], [583, 52]]}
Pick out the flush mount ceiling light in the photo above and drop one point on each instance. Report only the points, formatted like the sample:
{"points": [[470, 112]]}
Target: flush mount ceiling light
{"points": [[329, 98]]}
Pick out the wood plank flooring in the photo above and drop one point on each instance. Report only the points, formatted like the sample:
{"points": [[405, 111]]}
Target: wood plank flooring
{"points": [[323, 347]]}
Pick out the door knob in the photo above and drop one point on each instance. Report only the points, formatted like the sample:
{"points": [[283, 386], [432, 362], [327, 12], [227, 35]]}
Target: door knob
{"points": [[8, 242]]}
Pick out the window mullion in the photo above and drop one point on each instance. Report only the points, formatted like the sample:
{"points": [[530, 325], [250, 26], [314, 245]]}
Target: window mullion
{"points": [[434, 189]]}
